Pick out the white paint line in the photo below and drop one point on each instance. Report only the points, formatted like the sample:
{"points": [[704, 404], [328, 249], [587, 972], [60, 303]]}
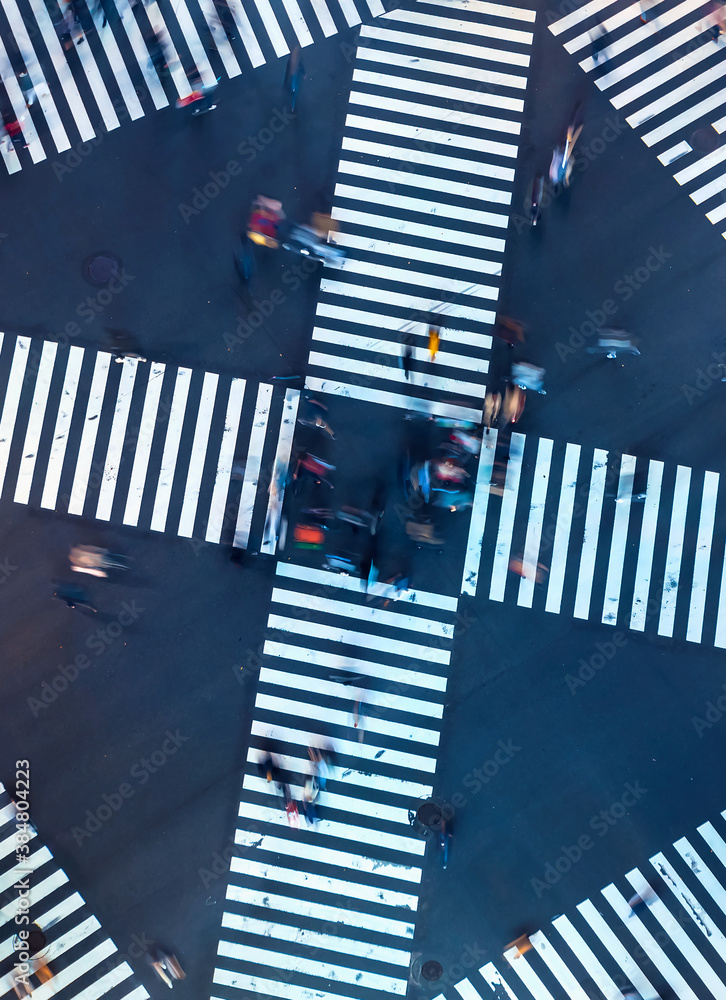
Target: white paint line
{"points": [[36, 417], [592, 530], [563, 527], [677, 934], [264, 9], [414, 404], [477, 522], [585, 955], [648, 944], [116, 441], [144, 441], [331, 915], [618, 542], [175, 424], [557, 967], [94, 408], [502, 553], [197, 458], [333, 633], [674, 554], [526, 973], [66, 404], [228, 444], [702, 561], [253, 466], [646, 549], [336, 663], [11, 402], [327, 579], [533, 537], [374, 616], [436, 161], [282, 847], [136, 41], [280, 472], [60, 64], [614, 946]]}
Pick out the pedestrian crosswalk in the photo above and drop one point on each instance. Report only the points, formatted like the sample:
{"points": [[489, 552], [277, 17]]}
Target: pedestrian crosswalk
{"points": [[671, 942], [328, 910], [72, 957], [422, 200], [144, 444], [665, 74], [107, 72], [627, 541]]}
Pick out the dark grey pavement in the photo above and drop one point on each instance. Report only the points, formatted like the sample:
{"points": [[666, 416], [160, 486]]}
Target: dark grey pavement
{"points": [[180, 666]]}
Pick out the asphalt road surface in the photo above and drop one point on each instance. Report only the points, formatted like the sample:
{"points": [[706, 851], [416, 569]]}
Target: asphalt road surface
{"points": [[566, 723]]}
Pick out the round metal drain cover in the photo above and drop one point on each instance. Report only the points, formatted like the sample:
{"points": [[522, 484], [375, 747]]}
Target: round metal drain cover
{"points": [[429, 814], [705, 140], [431, 971], [101, 268]]}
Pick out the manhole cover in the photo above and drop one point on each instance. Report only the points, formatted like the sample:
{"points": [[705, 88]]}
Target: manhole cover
{"points": [[431, 971], [429, 815], [101, 268], [705, 140]]}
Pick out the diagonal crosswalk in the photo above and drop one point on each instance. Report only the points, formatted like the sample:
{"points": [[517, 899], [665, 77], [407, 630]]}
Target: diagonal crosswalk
{"points": [[423, 193], [627, 541], [666, 76], [149, 445], [670, 943], [329, 910], [82, 961], [106, 73]]}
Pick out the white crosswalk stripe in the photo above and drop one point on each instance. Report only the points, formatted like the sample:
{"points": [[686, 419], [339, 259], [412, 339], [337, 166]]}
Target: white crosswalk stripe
{"points": [[422, 198], [666, 940], [75, 78], [143, 444], [333, 901], [627, 542], [76, 961], [665, 75]]}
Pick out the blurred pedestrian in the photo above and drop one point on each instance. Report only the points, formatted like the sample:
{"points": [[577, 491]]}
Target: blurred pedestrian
{"points": [[311, 791], [407, 356], [73, 597], [600, 40], [294, 73], [26, 85], [269, 768], [225, 18], [645, 8], [511, 330], [236, 556], [166, 966], [319, 766], [641, 901], [13, 128], [434, 335]]}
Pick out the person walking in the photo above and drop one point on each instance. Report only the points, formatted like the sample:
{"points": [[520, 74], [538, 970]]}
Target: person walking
{"points": [[294, 73], [73, 597], [407, 356], [26, 85]]}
